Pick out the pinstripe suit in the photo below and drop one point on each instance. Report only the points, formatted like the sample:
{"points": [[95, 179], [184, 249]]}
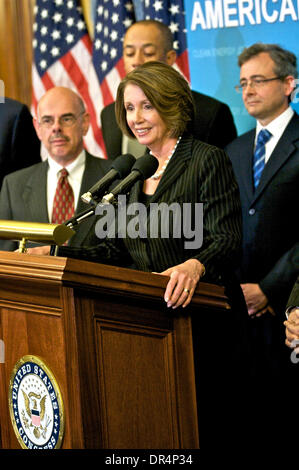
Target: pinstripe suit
{"points": [[23, 196], [196, 173]]}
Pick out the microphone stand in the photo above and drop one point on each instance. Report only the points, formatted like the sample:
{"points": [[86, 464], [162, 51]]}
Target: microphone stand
{"points": [[76, 220]]}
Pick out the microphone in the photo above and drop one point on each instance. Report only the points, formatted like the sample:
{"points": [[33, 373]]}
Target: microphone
{"points": [[144, 167], [77, 219], [119, 169]]}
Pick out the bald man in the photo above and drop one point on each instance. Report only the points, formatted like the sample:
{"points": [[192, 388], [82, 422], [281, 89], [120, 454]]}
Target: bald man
{"points": [[149, 40], [28, 194]]}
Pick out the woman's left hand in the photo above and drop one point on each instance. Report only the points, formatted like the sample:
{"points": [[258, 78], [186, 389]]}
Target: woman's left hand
{"points": [[183, 281]]}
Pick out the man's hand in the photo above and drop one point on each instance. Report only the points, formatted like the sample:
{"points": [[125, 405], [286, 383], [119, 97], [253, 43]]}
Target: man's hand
{"points": [[256, 301], [292, 329], [39, 250]]}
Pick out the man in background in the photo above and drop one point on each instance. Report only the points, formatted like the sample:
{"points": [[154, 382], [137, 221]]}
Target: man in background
{"points": [[19, 144], [151, 40], [50, 191], [266, 164]]}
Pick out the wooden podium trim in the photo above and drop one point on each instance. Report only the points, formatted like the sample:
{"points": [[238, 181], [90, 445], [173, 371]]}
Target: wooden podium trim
{"points": [[68, 271]]}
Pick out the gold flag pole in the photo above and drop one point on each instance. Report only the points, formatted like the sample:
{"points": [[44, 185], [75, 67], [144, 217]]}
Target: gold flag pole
{"points": [[53, 234]]}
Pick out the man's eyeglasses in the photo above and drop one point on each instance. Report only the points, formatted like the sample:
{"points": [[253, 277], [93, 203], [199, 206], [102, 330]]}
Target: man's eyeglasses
{"points": [[67, 120], [254, 83]]}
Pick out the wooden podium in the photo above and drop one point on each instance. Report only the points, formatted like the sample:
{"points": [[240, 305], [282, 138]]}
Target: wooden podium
{"points": [[122, 359]]}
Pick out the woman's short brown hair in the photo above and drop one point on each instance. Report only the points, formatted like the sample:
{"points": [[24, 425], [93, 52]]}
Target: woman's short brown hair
{"points": [[168, 92]]}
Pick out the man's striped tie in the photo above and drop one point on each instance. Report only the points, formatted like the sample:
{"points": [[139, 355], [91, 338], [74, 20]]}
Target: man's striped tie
{"points": [[259, 155]]}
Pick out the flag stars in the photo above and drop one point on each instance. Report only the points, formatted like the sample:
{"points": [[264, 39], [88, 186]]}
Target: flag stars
{"points": [[174, 9], [44, 14], [158, 5], [113, 53], [44, 30], [115, 18], [99, 27], [127, 22], [100, 10], [70, 22], [80, 25], [97, 43], [129, 6], [69, 38], [43, 47], [114, 35], [174, 27], [43, 64], [55, 51], [57, 17], [56, 34]]}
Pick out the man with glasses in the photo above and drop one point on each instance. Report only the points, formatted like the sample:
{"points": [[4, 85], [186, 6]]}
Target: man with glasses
{"points": [[266, 164], [50, 191]]}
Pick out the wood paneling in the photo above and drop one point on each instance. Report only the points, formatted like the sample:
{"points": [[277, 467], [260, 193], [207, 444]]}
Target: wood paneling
{"points": [[123, 361], [16, 20]]}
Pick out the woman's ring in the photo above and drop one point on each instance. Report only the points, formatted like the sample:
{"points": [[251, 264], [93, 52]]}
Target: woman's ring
{"points": [[186, 290]]}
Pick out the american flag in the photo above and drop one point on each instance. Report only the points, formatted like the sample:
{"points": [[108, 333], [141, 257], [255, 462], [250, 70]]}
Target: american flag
{"points": [[112, 19], [172, 13], [63, 57]]}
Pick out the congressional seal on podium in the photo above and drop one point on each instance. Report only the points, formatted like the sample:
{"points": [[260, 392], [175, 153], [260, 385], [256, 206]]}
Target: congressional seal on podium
{"points": [[35, 405]]}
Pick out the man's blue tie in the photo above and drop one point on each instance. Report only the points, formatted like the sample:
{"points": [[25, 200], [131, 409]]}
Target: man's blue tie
{"points": [[259, 155]]}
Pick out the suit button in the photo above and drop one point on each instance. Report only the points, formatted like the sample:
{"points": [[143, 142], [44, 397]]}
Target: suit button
{"points": [[251, 211]]}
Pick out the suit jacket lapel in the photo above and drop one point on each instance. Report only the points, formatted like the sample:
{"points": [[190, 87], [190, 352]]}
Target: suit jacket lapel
{"points": [[35, 195], [175, 167], [86, 183], [246, 157], [280, 155]]}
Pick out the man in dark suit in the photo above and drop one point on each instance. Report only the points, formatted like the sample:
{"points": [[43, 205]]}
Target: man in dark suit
{"points": [[149, 40], [19, 144], [28, 194], [269, 197]]}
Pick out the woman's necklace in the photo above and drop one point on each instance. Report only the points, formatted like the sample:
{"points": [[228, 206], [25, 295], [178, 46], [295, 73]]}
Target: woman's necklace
{"points": [[160, 173]]}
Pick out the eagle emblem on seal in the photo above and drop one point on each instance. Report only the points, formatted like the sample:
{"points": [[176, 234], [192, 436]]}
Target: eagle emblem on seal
{"points": [[35, 406]]}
